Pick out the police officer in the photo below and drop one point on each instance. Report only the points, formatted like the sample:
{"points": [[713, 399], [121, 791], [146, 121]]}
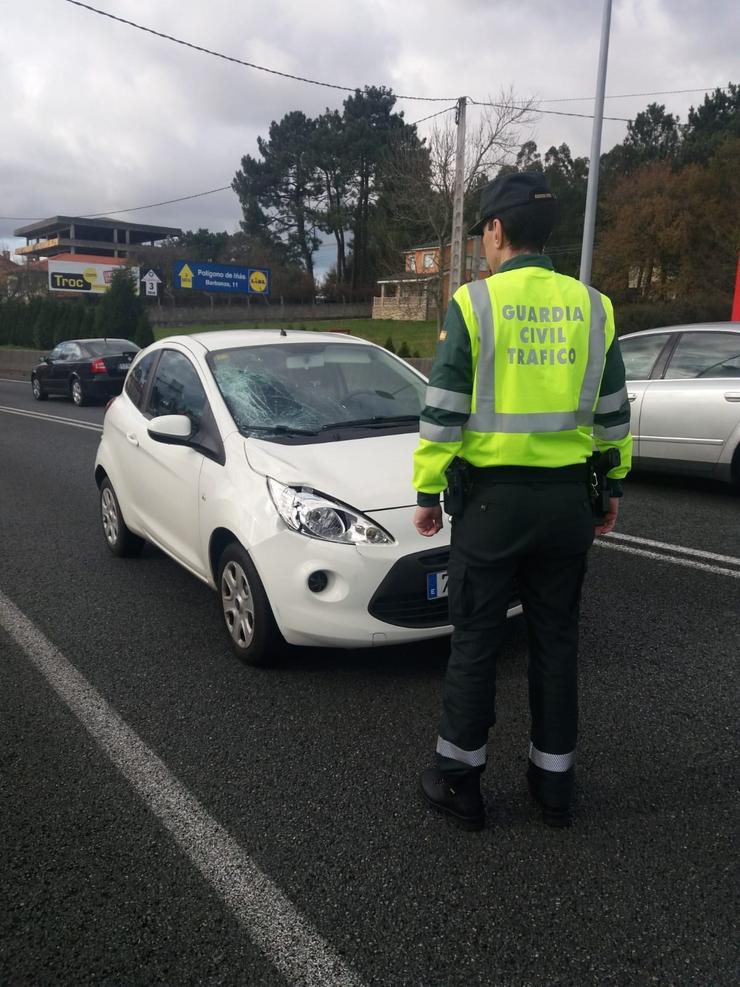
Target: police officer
{"points": [[527, 380]]}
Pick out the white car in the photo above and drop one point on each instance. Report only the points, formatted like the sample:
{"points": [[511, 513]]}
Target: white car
{"points": [[683, 383], [276, 466]]}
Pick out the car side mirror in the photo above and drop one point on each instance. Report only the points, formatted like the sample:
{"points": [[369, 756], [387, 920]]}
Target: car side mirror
{"points": [[46, 359], [174, 430]]}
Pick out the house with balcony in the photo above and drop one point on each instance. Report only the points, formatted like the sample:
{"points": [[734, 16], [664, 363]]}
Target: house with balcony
{"points": [[93, 237], [423, 284]]}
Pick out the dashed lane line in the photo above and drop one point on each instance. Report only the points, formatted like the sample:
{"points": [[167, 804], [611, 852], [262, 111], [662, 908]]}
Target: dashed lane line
{"points": [[269, 918], [679, 549], [673, 559], [57, 419]]}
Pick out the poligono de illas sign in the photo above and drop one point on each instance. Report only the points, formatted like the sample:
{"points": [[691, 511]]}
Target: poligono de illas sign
{"points": [[68, 275]]}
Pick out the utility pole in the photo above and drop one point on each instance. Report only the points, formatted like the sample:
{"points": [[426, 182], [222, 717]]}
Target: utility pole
{"points": [[456, 251], [589, 219]]}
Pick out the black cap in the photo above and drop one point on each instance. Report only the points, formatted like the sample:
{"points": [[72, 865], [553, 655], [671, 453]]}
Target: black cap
{"points": [[522, 188]]}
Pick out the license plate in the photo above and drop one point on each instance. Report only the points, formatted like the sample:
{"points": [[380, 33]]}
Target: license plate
{"points": [[123, 366], [436, 585]]}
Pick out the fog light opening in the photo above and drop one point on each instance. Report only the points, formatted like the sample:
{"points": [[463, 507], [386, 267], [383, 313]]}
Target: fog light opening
{"points": [[318, 581]]}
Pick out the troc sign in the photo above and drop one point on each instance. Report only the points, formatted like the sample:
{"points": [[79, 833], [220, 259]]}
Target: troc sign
{"points": [[203, 276], [68, 275]]}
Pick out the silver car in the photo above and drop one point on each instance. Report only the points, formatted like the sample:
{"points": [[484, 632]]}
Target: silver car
{"points": [[684, 386]]}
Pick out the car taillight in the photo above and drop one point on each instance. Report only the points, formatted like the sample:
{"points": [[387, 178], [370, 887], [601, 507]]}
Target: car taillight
{"points": [[98, 366]]}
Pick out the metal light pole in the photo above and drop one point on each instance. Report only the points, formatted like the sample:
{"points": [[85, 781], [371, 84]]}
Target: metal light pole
{"points": [[456, 250], [589, 219]]}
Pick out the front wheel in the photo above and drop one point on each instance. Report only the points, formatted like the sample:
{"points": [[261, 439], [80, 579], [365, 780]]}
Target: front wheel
{"points": [[39, 394], [253, 634], [78, 393], [120, 540]]}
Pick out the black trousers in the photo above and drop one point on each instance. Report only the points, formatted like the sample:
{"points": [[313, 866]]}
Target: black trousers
{"points": [[531, 538]]}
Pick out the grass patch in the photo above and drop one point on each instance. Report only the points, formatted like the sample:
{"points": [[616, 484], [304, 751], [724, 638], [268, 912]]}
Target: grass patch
{"points": [[418, 336]]}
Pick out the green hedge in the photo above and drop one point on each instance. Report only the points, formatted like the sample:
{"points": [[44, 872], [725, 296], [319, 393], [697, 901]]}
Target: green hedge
{"points": [[43, 322], [634, 316]]}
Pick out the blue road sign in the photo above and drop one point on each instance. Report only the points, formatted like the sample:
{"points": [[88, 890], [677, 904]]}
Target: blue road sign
{"points": [[202, 276]]}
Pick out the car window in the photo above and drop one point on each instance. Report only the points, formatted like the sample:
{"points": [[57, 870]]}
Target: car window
{"points": [[137, 378], [56, 353], [640, 353], [176, 389], [705, 354], [110, 347], [311, 385], [74, 352], [62, 352]]}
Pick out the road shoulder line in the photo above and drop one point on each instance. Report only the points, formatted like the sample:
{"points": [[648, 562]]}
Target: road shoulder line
{"points": [[270, 919]]}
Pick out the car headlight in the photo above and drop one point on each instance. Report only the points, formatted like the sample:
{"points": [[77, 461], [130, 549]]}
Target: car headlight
{"points": [[311, 514]]}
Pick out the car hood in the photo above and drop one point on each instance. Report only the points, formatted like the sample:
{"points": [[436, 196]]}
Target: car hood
{"points": [[370, 474]]}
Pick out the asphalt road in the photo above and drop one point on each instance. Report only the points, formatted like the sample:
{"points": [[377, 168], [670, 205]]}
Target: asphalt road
{"points": [[311, 768]]}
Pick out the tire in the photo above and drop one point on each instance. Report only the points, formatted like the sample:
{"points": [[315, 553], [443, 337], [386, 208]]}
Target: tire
{"points": [[77, 393], [39, 394], [119, 539], [253, 634]]}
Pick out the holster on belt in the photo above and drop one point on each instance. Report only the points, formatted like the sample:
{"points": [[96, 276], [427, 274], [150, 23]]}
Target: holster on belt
{"points": [[458, 485]]}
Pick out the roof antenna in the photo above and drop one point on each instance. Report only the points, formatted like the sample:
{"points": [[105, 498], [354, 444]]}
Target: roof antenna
{"points": [[283, 332]]}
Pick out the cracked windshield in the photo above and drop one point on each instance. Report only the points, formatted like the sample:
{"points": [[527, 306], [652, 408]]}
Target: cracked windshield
{"points": [[307, 387]]}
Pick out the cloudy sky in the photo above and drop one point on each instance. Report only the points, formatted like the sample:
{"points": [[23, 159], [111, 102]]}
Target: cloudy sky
{"points": [[100, 117]]}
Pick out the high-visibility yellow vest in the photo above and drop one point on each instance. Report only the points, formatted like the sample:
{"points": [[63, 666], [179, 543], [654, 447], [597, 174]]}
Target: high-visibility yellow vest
{"points": [[538, 342]]}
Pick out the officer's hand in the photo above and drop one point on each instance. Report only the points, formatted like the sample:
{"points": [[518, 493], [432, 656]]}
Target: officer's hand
{"points": [[428, 520], [610, 518]]}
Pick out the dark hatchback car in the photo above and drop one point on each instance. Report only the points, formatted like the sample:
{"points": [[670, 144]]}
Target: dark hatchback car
{"points": [[84, 370]]}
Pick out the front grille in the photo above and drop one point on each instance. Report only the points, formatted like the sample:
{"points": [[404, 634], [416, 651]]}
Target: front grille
{"points": [[401, 598]]}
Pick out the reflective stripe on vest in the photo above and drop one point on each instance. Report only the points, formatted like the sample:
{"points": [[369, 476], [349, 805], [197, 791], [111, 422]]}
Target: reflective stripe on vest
{"points": [[438, 397], [439, 433], [486, 419], [609, 403]]}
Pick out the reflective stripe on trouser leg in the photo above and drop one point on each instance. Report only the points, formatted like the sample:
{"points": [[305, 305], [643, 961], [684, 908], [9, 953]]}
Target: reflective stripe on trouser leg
{"points": [[552, 762], [473, 759]]}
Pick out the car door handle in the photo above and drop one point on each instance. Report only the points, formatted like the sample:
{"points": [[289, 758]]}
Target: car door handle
{"points": [[732, 395], [133, 439], [631, 395]]}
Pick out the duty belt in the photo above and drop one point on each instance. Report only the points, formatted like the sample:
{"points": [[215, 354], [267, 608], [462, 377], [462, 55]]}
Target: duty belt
{"points": [[485, 475]]}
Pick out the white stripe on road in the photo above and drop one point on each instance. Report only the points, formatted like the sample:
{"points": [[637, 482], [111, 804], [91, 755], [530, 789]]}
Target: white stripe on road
{"points": [[270, 919], [92, 426], [679, 549], [14, 380], [674, 559]]}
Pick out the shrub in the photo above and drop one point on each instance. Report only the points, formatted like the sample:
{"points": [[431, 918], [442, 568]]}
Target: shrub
{"points": [[634, 316], [403, 350], [389, 345]]}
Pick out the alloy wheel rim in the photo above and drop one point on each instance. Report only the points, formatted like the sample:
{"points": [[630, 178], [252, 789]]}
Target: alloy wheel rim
{"points": [[238, 605], [76, 392], [36, 387], [110, 516]]}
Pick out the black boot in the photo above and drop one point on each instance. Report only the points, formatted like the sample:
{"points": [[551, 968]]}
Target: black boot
{"points": [[558, 816], [458, 798]]}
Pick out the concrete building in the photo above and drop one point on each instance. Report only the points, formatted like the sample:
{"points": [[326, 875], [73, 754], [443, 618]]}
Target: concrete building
{"points": [[78, 235]]}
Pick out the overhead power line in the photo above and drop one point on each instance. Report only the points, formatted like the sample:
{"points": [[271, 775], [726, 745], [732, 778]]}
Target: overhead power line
{"points": [[658, 92], [241, 61], [298, 78], [114, 212]]}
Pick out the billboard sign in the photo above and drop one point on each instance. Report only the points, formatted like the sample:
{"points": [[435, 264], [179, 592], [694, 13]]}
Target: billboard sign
{"points": [[82, 276], [203, 276]]}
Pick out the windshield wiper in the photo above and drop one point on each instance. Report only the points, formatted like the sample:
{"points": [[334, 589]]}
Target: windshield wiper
{"points": [[374, 422], [279, 430]]}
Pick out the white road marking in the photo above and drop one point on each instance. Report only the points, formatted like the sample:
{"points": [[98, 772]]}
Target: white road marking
{"points": [[14, 380], [673, 559], [680, 549], [57, 419], [270, 919]]}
